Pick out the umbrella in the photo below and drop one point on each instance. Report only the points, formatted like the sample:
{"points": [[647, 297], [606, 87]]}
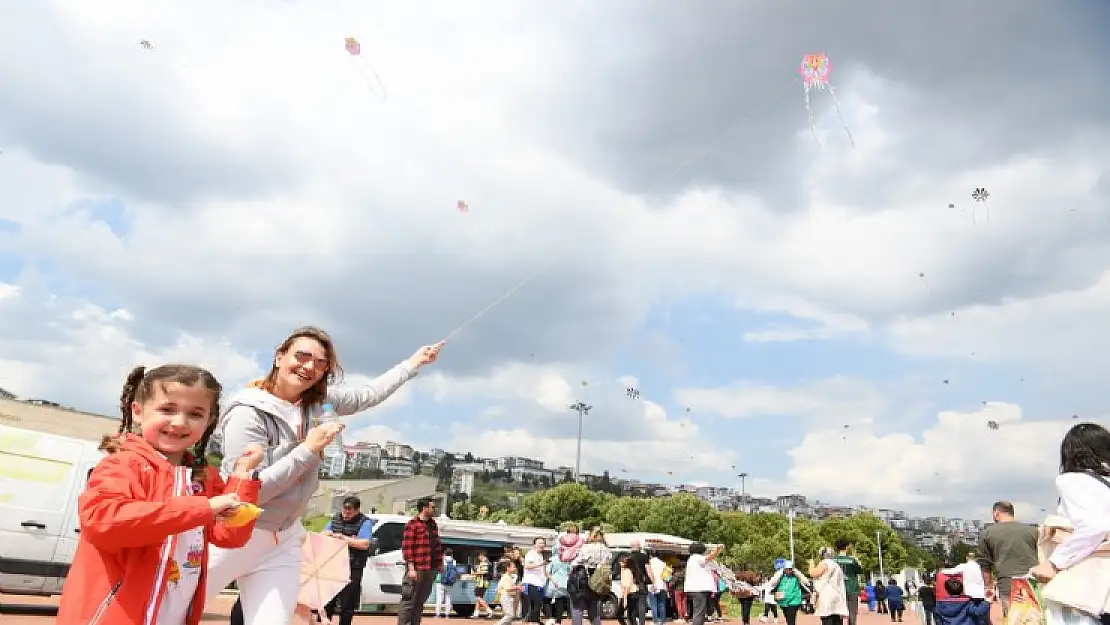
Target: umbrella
{"points": [[325, 570]]}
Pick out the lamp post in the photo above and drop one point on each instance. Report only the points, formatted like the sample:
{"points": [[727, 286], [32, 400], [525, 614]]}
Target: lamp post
{"points": [[790, 518], [582, 409], [743, 491], [879, 542]]}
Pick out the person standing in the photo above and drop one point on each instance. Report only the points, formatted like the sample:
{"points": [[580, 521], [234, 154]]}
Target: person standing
{"points": [[880, 596], [828, 582], [638, 563], [423, 555], [895, 602], [928, 596], [699, 580], [444, 584], [351, 525], [852, 571], [1008, 548], [482, 574], [285, 414], [657, 590], [534, 580]]}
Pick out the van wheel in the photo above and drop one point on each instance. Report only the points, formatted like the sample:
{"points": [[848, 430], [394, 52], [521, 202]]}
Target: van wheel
{"points": [[464, 611], [609, 608]]}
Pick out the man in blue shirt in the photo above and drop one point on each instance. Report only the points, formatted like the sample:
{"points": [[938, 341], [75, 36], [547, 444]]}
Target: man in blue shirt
{"points": [[351, 525]]}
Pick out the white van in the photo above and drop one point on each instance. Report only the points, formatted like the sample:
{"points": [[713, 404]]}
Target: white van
{"points": [[385, 568], [41, 476], [621, 544]]}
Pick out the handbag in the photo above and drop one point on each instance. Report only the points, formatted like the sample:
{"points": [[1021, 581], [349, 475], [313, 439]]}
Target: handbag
{"points": [[1084, 586]]}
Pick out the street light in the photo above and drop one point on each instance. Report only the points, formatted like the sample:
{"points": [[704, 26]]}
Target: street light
{"points": [[879, 542], [582, 409], [743, 487]]}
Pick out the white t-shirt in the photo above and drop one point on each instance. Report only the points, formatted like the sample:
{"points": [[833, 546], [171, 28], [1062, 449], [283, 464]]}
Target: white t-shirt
{"points": [[182, 577], [657, 567], [974, 586], [698, 576], [536, 576]]}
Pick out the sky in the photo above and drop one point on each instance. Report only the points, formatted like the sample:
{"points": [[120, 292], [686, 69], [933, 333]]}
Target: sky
{"points": [[831, 317]]}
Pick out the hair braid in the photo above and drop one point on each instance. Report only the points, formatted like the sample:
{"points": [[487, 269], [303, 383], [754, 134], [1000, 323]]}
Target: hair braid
{"points": [[110, 443]]}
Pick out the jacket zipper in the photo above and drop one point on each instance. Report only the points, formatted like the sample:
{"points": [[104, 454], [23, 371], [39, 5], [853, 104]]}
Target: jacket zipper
{"points": [[103, 607]]}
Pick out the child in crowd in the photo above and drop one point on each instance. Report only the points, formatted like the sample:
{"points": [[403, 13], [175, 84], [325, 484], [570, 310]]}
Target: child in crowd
{"points": [[151, 507], [956, 608], [509, 590]]}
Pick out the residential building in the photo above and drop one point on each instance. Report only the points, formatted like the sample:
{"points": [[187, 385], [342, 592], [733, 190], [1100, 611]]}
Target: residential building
{"points": [[396, 467], [399, 450], [462, 477], [508, 463], [519, 472], [364, 456]]}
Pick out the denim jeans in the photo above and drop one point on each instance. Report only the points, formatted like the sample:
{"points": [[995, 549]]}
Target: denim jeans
{"points": [[657, 601]]}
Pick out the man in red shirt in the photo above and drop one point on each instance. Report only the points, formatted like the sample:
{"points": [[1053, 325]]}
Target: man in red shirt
{"points": [[423, 555]]}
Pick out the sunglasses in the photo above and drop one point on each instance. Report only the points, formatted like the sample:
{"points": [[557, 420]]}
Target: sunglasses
{"points": [[305, 357]]}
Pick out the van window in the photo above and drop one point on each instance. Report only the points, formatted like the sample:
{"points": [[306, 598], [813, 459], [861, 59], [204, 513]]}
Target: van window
{"points": [[387, 537], [33, 480]]}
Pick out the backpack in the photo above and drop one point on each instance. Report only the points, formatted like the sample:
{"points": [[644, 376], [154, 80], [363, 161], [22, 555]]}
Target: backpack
{"points": [[450, 574], [601, 580], [578, 584]]}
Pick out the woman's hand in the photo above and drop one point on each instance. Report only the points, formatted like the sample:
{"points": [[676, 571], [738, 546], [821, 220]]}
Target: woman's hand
{"points": [[1043, 572], [322, 435], [249, 461], [425, 355]]}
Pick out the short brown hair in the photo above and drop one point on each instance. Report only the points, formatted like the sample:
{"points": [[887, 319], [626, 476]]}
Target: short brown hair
{"points": [[1005, 507]]}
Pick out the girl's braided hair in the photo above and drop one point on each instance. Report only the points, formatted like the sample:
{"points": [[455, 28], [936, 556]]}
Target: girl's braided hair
{"points": [[139, 388]]}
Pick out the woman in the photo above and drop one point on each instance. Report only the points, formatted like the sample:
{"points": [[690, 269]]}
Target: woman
{"points": [[628, 588], [282, 412], [787, 586], [1084, 488], [593, 555], [880, 595], [746, 597], [828, 583]]}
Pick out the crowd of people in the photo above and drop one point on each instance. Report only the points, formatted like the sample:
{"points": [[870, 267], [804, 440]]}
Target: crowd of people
{"points": [[161, 531]]}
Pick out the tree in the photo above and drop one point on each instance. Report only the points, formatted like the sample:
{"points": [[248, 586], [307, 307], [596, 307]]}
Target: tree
{"points": [[682, 515], [959, 551], [625, 513], [565, 502]]}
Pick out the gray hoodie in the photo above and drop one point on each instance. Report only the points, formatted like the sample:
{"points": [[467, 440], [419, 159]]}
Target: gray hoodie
{"points": [[289, 470]]}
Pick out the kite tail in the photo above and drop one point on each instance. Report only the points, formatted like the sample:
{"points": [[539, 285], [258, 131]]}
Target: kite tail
{"points": [[987, 208], [836, 105], [812, 125], [378, 90]]}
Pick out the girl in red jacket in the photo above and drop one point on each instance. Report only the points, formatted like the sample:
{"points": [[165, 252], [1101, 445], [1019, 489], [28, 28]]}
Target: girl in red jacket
{"points": [[151, 507]]}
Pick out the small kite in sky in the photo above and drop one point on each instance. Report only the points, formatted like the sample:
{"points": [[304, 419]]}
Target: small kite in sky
{"points": [[815, 70], [463, 206], [980, 196], [632, 392], [146, 45], [992, 425], [365, 69]]}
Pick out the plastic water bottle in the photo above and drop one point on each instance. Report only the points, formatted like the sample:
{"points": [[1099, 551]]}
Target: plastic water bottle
{"points": [[329, 415], [334, 455]]}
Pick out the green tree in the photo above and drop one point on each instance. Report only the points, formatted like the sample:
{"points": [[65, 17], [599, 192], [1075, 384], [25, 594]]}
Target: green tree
{"points": [[959, 551], [565, 502], [683, 515], [624, 514]]}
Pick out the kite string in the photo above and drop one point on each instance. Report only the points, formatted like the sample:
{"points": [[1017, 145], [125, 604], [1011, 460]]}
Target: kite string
{"points": [[359, 64], [504, 296], [836, 105], [743, 123]]}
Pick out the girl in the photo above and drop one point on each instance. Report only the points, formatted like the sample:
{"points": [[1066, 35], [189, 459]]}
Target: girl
{"points": [[146, 522], [282, 412], [482, 573], [787, 585]]}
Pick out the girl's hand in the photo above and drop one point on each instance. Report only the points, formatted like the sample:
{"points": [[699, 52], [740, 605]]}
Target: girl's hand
{"points": [[223, 504], [322, 435], [249, 461]]}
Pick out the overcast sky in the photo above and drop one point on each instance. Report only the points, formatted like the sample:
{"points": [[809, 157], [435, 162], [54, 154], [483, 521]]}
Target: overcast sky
{"points": [[841, 322]]}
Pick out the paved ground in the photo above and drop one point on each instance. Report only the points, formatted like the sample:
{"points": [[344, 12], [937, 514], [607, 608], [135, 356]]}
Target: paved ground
{"points": [[219, 610]]}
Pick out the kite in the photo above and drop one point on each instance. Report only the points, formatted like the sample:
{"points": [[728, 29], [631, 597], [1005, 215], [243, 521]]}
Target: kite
{"points": [[463, 206], [146, 45], [980, 196], [632, 392], [365, 69], [815, 77], [925, 281], [992, 425]]}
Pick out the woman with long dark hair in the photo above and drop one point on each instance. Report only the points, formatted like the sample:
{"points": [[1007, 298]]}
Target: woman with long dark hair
{"points": [[1084, 488]]}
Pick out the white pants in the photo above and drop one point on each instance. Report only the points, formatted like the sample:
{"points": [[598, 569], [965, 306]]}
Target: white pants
{"points": [[443, 599], [267, 572]]}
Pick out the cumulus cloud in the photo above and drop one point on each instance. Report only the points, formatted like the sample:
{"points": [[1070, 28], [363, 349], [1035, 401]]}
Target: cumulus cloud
{"points": [[257, 187]]}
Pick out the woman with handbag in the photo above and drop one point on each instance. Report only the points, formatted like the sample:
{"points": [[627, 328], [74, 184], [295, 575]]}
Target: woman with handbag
{"points": [[1075, 553]]}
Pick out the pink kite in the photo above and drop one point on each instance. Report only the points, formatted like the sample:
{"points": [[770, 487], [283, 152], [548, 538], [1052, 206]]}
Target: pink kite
{"points": [[815, 69]]}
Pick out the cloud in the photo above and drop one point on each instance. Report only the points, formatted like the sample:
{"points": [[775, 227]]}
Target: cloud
{"points": [[956, 463], [255, 186], [841, 400]]}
